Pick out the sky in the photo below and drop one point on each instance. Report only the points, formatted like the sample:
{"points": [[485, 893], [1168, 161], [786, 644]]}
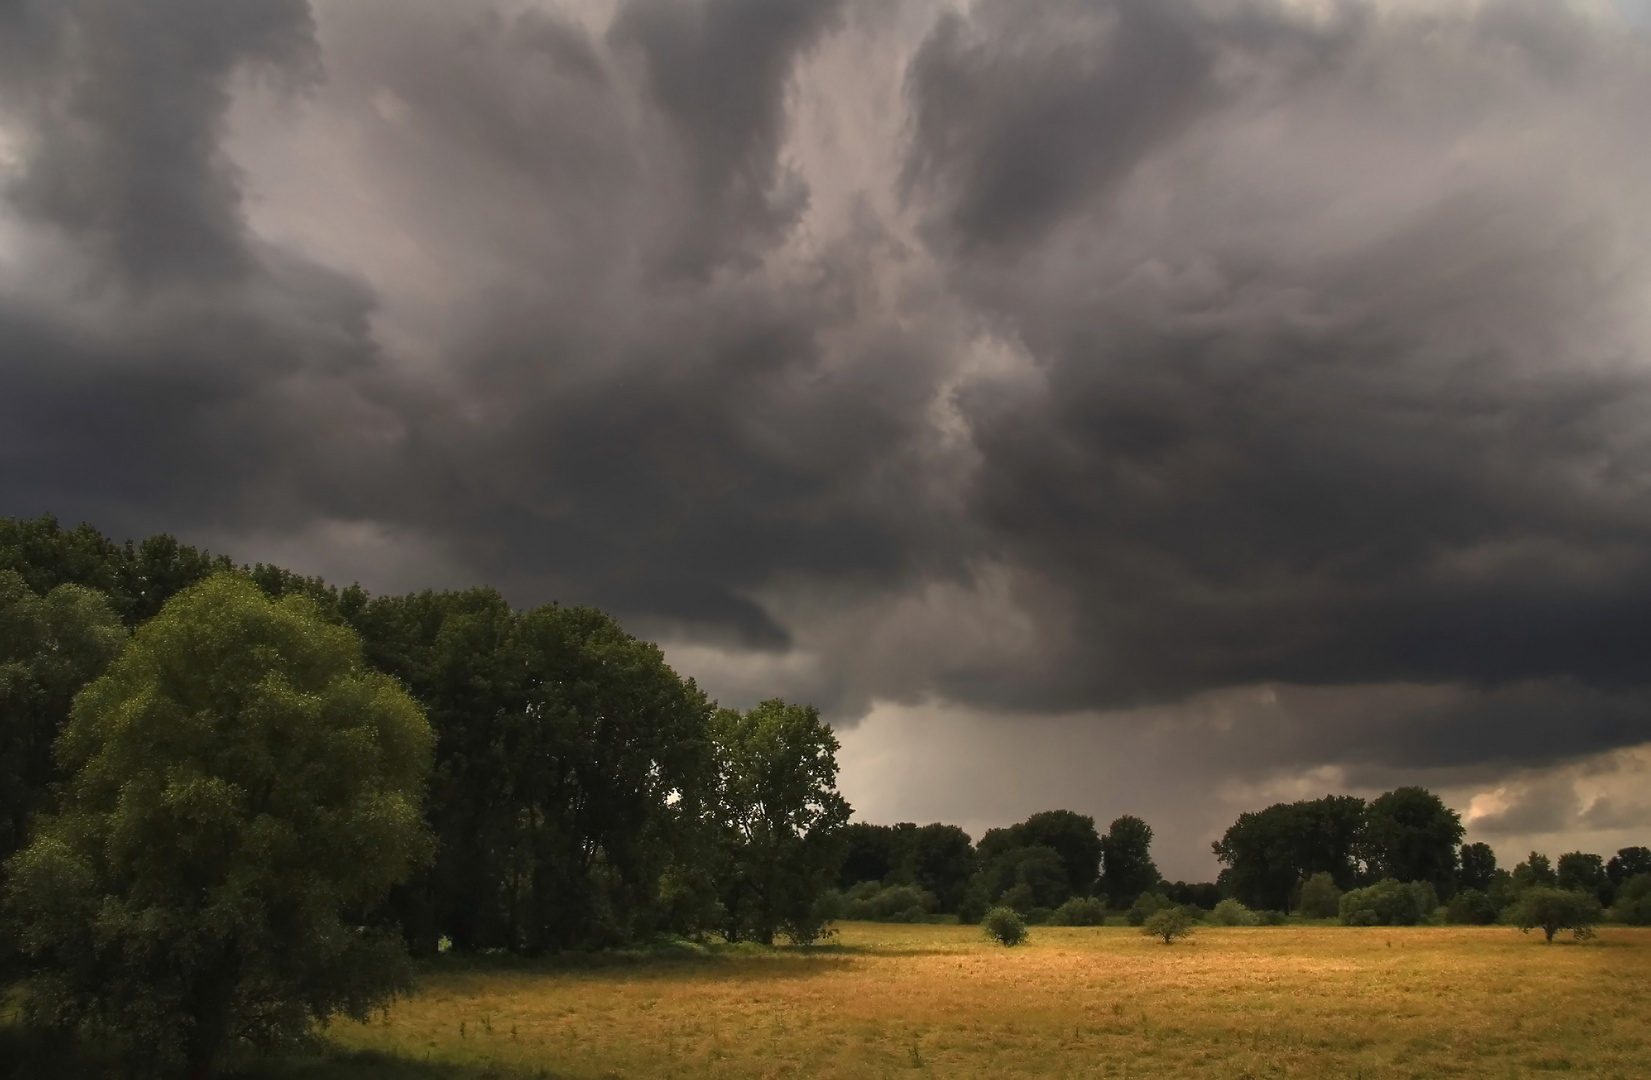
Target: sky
{"points": [[1164, 407]]}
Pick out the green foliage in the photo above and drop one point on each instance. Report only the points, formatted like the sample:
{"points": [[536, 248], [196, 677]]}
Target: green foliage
{"points": [[1080, 911], [1071, 837], [1145, 906], [1627, 863], [1409, 834], [1389, 902], [940, 859], [1552, 910], [243, 795], [1169, 924], [1026, 877], [1470, 907], [1535, 870], [1320, 898], [50, 647], [1268, 853], [1230, 912], [1004, 926], [1476, 867], [1633, 902], [781, 819], [869, 902], [1584, 873], [1126, 860]]}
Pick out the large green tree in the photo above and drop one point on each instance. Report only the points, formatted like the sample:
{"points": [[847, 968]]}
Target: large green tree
{"points": [[781, 819], [1127, 866], [243, 793], [1411, 835], [1476, 867], [50, 647], [1269, 853]]}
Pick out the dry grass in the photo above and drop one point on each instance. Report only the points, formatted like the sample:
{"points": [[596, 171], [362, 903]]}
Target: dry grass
{"points": [[939, 1001]]}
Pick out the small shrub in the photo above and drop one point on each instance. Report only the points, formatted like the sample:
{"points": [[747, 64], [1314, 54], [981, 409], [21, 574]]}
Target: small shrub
{"points": [[1080, 911], [1230, 912], [1389, 903], [1553, 910], [1169, 923], [1271, 918], [1470, 907], [896, 903], [1320, 899], [1144, 907], [1004, 926]]}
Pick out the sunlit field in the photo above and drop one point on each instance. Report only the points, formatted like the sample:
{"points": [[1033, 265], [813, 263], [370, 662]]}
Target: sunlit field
{"points": [[887, 1000]]}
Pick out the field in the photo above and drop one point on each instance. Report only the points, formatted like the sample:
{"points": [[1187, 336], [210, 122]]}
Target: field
{"points": [[915, 1001]]}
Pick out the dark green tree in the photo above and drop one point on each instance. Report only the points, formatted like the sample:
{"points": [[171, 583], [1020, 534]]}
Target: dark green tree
{"points": [[1269, 853], [1584, 873], [1535, 870], [243, 795], [782, 820], [50, 647], [1552, 910], [1476, 867], [869, 854], [1411, 835], [1126, 853], [1628, 862], [942, 862]]}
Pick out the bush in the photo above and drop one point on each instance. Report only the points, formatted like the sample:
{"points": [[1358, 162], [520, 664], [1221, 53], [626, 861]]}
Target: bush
{"points": [[1080, 911], [1230, 912], [1634, 901], [896, 903], [1470, 907], [1389, 903], [1145, 905], [1168, 923], [1554, 910], [1004, 925], [1320, 899], [1271, 918], [1038, 916]]}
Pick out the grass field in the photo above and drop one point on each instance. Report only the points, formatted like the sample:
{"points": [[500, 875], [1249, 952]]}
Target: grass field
{"points": [[915, 1001]]}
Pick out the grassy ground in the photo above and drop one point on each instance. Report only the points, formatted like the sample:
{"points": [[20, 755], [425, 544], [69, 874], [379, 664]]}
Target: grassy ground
{"points": [[916, 1001]]}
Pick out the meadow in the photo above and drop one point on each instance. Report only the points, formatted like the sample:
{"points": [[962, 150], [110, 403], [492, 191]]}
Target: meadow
{"points": [[893, 1001]]}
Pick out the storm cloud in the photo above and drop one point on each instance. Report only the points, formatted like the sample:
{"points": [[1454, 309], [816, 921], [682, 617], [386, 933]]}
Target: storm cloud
{"points": [[1051, 365]]}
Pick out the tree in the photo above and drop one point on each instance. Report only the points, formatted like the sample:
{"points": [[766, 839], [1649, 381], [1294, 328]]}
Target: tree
{"points": [[1470, 907], [782, 819], [1004, 926], [1554, 910], [50, 647], [1269, 853], [1168, 924], [1476, 867], [942, 862], [1027, 877], [1126, 860], [1628, 862], [868, 854], [1584, 873], [1389, 902], [1633, 904], [1535, 870], [1411, 835], [243, 795], [1072, 837]]}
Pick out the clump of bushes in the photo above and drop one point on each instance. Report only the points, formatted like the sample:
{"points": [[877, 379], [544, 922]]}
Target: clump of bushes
{"points": [[1470, 907], [1004, 926], [1320, 898], [1080, 911], [1230, 912], [870, 901], [1145, 906], [1169, 923], [1633, 904], [1389, 903]]}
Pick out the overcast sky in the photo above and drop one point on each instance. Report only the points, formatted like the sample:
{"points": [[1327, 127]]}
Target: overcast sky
{"points": [[1137, 406]]}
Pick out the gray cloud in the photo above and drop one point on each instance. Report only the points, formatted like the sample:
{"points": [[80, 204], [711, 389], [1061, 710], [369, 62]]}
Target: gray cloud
{"points": [[1048, 359]]}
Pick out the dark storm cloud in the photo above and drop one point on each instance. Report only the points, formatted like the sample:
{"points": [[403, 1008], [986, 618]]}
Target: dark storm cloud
{"points": [[1046, 357]]}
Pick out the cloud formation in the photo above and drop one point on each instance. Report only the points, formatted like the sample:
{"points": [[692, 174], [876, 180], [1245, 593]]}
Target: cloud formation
{"points": [[1062, 358]]}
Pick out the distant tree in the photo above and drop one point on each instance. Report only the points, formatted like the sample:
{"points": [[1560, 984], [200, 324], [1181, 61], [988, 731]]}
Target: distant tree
{"points": [[1320, 899], [1080, 911], [1535, 870], [1477, 864], [242, 795], [1168, 924], [1204, 894], [1553, 910], [782, 819], [869, 854], [1072, 837], [1389, 902], [1145, 906], [942, 862], [1027, 877], [1628, 862], [1004, 926], [1126, 860], [1411, 835], [1470, 907], [1584, 873], [50, 647], [1269, 853]]}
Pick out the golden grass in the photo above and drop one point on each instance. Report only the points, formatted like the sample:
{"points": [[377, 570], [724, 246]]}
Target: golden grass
{"points": [[896, 1001]]}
